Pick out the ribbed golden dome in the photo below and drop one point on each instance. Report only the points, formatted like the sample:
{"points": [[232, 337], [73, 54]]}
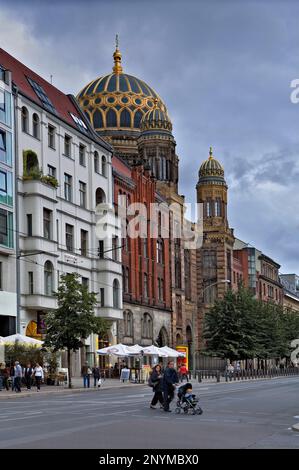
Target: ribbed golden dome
{"points": [[156, 119], [117, 102], [211, 170]]}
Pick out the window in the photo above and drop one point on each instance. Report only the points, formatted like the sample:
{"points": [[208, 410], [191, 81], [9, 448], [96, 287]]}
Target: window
{"points": [[67, 145], [3, 182], [82, 155], [160, 251], [82, 192], [128, 323], [85, 282], [67, 187], [218, 208], [104, 166], [102, 297], [145, 285], [1, 284], [42, 95], [80, 123], [30, 282], [160, 289], [25, 120], [2, 100], [35, 126], [100, 196], [144, 244], [51, 136], [69, 237], [116, 293], [208, 208], [51, 171], [115, 248], [101, 249], [96, 162], [48, 278], [147, 326], [6, 228], [47, 216], [29, 225], [2, 146], [84, 241], [126, 280]]}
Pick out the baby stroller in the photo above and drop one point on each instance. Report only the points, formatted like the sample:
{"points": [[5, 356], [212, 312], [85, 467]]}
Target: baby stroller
{"points": [[187, 401]]}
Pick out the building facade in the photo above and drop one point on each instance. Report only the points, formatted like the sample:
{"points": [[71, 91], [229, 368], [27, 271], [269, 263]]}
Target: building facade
{"points": [[64, 172], [8, 297]]}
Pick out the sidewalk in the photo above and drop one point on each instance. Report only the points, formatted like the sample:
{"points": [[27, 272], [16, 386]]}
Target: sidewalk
{"points": [[77, 386]]}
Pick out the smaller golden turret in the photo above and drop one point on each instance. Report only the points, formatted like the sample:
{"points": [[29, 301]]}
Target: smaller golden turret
{"points": [[211, 153], [117, 58]]}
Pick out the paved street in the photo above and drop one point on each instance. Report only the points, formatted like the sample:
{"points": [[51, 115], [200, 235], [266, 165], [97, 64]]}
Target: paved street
{"points": [[236, 415]]}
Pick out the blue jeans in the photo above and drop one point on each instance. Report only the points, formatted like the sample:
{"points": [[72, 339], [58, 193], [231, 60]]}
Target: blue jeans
{"points": [[86, 381], [1, 383]]}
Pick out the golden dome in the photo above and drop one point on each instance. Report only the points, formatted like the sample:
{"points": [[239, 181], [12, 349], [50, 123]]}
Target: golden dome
{"points": [[117, 102], [211, 171]]}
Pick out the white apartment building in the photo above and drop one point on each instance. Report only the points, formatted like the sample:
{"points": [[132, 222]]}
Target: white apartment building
{"points": [[8, 299], [64, 171]]}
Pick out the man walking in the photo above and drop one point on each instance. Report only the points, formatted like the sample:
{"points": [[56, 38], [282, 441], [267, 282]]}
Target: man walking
{"points": [[17, 376], [28, 375], [86, 373], [170, 379]]}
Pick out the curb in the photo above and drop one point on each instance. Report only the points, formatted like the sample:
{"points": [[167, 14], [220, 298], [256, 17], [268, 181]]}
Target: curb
{"points": [[66, 390], [295, 427]]}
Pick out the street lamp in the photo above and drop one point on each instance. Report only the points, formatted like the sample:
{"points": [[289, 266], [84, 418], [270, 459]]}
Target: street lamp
{"points": [[226, 281]]}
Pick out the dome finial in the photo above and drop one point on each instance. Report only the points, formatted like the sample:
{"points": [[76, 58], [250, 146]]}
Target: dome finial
{"points": [[211, 153], [117, 58]]}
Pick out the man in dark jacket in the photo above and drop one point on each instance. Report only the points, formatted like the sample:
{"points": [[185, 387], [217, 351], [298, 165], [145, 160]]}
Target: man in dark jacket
{"points": [[170, 379], [28, 371]]}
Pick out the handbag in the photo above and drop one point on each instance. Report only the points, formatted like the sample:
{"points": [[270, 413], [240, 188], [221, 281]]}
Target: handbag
{"points": [[99, 382]]}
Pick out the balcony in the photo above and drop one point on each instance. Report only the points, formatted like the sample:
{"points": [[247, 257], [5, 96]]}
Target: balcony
{"points": [[110, 313], [38, 301]]}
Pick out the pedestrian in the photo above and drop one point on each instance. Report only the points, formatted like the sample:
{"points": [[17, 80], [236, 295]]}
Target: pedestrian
{"points": [[229, 370], [96, 375], [156, 379], [170, 380], [4, 373], [86, 372], [18, 374], [39, 375], [28, 371], [183, 373]]}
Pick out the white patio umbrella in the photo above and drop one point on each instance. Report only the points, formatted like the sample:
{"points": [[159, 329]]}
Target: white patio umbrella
{"points": [[115, 350], [135, 350], [21, 339], [1, 340], [153, 351], [172, 352]]}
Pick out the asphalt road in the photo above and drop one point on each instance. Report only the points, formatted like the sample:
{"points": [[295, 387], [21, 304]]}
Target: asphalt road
{"points": [[236, 415]]}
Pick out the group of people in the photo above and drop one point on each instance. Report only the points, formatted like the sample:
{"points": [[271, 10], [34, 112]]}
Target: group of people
{"points": [[87, 372], [16, 374], [164, 383]]}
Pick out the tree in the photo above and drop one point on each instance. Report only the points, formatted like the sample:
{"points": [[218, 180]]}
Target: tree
{"points": [[74, 320]]}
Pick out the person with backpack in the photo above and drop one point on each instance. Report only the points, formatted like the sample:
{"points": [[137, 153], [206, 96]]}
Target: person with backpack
{"points": [[155, 381]]}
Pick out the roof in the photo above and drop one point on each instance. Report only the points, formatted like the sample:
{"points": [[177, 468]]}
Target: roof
{"points": [[63, 104]]}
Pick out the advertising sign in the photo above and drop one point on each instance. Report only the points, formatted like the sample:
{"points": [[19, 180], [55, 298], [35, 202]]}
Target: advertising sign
{"points": [[183, 360]]}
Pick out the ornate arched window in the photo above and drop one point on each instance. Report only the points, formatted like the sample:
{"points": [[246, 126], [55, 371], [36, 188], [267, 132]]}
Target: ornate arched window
{"points": [[125, 118], [35, 126], [48, 278], [128, 323], [160, 249], [25, 120], [104, 166], [96, 162], [137, 118], [111, 118], [116, 294], [97, 119], [147, 326], [100, 196], [218, 208]]}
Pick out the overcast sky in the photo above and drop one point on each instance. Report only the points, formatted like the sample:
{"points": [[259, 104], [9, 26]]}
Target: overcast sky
{"points": [[224, 70]]}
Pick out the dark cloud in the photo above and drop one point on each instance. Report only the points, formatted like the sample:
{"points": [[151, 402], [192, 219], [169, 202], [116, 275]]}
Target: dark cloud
{"points": [[224, 70]]}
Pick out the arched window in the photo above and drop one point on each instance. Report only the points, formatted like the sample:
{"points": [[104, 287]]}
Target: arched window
{"points": [[96, 162], [100, 196], [48, 278], [160, 251], [137, 118], [25, 120], [104, 166], [147, 326], [30, 162], [111, 119], [145, 286], [116, 294], [128, 323], [35, 126], [97, 119], [126, 283], [125, 118], [218, 208]]}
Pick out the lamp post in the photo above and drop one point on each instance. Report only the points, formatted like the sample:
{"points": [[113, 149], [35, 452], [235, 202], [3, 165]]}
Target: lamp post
{"points": [[226, 281]]}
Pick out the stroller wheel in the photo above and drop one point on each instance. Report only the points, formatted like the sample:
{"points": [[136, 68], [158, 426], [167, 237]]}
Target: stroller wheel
{"points": [[177, 410], [199, 411], [186, 410], [194, 411]]}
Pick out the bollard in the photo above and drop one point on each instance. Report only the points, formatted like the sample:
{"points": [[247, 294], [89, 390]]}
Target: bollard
{"points": [[218, 376]]}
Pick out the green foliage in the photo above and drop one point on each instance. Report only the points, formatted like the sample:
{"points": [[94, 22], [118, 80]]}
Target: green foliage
{"points": [[51, 180], [74, 320], [23, 353], [241, 327]]}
